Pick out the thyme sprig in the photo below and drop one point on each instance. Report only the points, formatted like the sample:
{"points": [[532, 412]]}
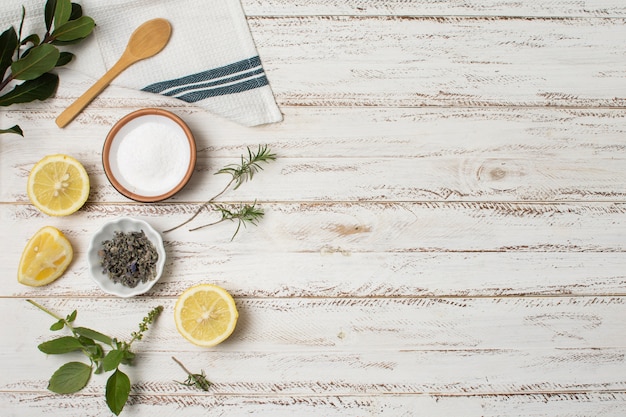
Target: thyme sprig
{"points": [[240, 173], [194, 380], [74, 376]]}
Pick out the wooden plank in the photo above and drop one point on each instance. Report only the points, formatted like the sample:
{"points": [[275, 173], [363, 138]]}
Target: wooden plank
{"points": [[609, 404], [443, 61], [395, 154], [344, 326], [600, 8], [350, 373]]}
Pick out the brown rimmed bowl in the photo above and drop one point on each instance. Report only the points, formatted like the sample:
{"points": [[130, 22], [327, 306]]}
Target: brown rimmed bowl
{"points": [[149, 155]]}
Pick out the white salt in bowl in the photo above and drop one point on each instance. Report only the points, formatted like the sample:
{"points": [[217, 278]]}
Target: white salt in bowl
{"points": [[149, 155], [107, 232]]}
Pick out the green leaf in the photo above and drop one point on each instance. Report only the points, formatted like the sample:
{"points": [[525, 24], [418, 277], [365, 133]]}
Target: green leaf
{"points": [[38, 89], [15, 129], [40, 60], [8, 45], [34, 39], [92, 334], [112, 359], [71, 317], [49, 9], [117, 390], [74, 30], [70, 378], [65, 58], [62, 12], [77, 11], [60, 345], [58, 325]]}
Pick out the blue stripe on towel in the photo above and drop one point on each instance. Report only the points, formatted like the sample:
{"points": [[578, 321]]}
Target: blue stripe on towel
{"points": [[229, 89], [211, 74], [213, 83]]}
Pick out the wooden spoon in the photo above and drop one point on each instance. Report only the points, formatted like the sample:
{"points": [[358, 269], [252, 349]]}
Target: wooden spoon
{"points": [[146, 41]]}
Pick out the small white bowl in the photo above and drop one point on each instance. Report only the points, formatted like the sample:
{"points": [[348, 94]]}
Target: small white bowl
{"points": [[107, 232]]}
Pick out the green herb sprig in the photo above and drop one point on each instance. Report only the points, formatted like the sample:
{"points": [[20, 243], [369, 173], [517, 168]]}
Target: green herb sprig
{"points": [[240, 173], [31, 58], [194, 380], [74, 376]]}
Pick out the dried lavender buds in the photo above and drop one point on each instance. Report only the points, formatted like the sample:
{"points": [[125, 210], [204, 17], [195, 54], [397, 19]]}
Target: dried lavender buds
{"points": [[129, 258]]}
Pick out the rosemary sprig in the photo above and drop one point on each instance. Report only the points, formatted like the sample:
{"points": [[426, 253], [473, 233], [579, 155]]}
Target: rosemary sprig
{"points": [[194, 380], [240, 173]]}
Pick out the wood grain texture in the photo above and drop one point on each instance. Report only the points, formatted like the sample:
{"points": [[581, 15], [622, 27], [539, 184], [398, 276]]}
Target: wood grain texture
{"points": [[598, 8], [444, 229]]}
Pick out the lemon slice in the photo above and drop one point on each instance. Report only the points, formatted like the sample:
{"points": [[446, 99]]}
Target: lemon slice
{"points": [[46, 256], [58, 185], [205, 314]]}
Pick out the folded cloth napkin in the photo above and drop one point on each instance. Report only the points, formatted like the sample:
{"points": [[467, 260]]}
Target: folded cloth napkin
{"points": [[210, 60]]}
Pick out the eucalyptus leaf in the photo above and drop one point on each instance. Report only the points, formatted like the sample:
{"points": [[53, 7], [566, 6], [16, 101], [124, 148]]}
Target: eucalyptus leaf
{"points": [[49, 10], [62, 12], [112, 359], [74, 30], [8, 45], [40, 60], [60, 345], [92, 334], [34, 39], [77, 11], [38, 89], [14, 129], [64, 59], [70, 378], [117, 390]]}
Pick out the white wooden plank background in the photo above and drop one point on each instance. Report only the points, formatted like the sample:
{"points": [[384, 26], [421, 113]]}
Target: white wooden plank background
{"points": [[444, 231]]}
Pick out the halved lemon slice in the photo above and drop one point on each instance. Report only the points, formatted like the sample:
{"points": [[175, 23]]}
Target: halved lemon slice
{"points": [[58, 185], [205, 314], [46, 256]]}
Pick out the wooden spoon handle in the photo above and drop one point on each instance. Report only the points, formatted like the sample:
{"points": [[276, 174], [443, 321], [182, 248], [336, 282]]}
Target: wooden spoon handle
{"points": [[81, 102]]}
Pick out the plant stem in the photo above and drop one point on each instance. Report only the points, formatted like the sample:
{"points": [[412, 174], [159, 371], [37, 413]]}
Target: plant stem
{"points": [[45, 310], [182, 366], [202, 207]]}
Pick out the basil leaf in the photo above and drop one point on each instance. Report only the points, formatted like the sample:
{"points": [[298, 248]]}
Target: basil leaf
{"points": [[38, 89], [77, 11], [74, 30], [117, 390], [58, 325], [92, 334], [71, 317], [70, 378], [49, 9], [40, 60], [62, 12], [15, 129], [8, 45], [112, 360], [60, 345]]}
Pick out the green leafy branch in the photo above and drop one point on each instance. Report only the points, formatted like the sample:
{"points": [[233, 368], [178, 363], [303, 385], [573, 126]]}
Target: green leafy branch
{"points": [[74, 376], [240, 173], [31, 58], [198, 381]]}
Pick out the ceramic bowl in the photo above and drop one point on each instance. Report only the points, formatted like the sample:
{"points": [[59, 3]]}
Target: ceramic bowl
{"points": [[149, 155], [107, 232]]}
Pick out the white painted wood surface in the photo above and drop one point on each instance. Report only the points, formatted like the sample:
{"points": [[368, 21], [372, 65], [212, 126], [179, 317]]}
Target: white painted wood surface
{"points": [[445, 227]]}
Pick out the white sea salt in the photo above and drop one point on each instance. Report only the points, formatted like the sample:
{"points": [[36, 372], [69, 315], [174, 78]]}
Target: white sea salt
{"points": [[152, 157]]}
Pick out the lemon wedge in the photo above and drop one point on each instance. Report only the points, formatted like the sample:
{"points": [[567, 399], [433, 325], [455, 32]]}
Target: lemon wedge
{"points": [[46, 256]]}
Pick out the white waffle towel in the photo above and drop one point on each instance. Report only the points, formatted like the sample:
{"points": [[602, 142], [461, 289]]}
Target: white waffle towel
{"points": [[210, 60]]}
